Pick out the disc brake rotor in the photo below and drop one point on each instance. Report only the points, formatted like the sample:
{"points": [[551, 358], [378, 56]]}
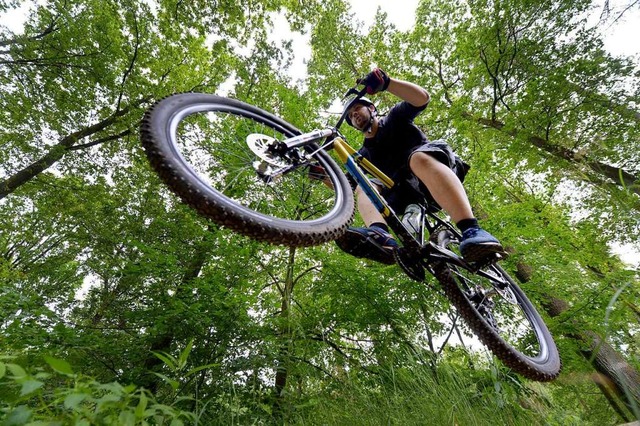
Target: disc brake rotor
{"points": [[264, 147]]}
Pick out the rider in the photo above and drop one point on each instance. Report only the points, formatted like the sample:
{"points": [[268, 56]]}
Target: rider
{"points": [[419, 167]]}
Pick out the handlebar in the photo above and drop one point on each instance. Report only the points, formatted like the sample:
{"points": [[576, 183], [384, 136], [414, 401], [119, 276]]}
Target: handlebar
{"points": [[328, 132]]}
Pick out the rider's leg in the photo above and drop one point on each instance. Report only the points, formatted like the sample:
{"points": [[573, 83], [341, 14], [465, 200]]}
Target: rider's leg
{"points": [[367, 210], [443, 184], [447, 190], [374, 240]]}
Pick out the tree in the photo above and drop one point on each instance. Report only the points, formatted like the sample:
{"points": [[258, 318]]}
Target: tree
{"points": [[102, 266], [540, 76], [100, 64]]}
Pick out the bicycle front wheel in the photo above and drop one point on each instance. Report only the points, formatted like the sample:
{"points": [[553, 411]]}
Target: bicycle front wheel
{"points": [[500, 314], [216, 154]]}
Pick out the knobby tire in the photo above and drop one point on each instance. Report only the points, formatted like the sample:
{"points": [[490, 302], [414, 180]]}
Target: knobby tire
{"points": [[543, 365], [197, 144]]}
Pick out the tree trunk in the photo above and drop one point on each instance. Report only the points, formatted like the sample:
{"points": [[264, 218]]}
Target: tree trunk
{"points": [[616, 378], [282, 363], [603, 171]]}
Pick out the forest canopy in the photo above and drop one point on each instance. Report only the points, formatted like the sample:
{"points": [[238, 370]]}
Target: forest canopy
{"points": [[105, 274]]}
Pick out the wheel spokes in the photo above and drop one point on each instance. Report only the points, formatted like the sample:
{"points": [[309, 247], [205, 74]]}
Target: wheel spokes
{"points": [[233, 154]]}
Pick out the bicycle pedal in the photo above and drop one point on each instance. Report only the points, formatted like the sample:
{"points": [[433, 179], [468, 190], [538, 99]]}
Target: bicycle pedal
{"points": [[490, 260], [409, 264], [502, 255]]}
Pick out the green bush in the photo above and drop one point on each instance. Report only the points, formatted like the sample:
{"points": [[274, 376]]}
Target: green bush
{"points": [[55, 395]]}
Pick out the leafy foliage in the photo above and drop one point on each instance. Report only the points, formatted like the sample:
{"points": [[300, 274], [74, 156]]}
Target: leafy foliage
{"points": [[57, 395], [172, 319]]}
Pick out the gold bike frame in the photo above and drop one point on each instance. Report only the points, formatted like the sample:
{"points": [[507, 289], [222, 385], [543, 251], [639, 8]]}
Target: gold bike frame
{"points": [[351, 158]]}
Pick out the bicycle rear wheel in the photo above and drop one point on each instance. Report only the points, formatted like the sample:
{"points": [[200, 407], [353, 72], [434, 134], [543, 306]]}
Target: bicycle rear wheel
{"points": [[215, 154], [500, 314]]}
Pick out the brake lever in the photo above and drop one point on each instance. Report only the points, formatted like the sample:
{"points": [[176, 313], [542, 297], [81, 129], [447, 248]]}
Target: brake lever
{"points": [[351, 91]]}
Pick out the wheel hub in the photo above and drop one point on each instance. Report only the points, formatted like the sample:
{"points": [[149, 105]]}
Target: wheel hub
{"points": [[268, 149]]}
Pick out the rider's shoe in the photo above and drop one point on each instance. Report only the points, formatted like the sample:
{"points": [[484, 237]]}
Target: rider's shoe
{"points": [[372, 243], [478, 245]]}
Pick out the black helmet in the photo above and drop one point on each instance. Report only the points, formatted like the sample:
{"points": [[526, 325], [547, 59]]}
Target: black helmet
{"points": [[349, 102]]}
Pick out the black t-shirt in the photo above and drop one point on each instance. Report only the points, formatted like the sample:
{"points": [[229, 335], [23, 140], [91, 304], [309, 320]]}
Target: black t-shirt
{"points": [[395, 140]]}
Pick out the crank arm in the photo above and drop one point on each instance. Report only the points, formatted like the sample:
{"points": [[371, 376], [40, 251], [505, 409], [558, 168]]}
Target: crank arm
{"points": [[435, 253]]}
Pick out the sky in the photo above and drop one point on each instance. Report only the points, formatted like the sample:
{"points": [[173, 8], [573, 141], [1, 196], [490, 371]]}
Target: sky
{"points": [[400, 12], [621, 38]]}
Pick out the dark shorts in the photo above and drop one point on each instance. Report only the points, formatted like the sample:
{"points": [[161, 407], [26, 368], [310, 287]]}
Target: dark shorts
{"points": [[409, 189]]}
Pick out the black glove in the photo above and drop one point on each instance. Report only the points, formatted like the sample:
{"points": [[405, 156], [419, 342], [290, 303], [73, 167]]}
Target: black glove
{"points": [[376, 81]]}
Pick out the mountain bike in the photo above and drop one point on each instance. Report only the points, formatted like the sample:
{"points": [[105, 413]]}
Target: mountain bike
{"points": [[247, 169]]}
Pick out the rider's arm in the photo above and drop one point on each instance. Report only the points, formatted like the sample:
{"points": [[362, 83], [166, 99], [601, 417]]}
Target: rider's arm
{"points": [[410, 92]]}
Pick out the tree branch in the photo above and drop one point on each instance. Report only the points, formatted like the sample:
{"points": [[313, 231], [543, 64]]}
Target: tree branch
{"points": [[101, 140], [58, 151], [619, 176], [133, 60]]}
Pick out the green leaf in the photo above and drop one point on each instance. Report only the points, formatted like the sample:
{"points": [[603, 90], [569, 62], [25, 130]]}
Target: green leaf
{"points": [[167, 359], [42, 375], [17, 371], [30, 386], [59, 365], [142, 405], [129, 389], [19, 416], [182, 360], [113, 387], [126, 418], [202, 367], [266, 408], [3, 369], [107, 400], [165, 409], [173, 383], [71, 401]]}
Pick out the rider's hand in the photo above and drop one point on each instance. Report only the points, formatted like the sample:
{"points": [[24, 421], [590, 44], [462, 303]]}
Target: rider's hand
{"points": [[376, 81]]}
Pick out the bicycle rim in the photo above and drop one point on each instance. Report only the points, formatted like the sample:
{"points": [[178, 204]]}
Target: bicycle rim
{"points": [[500, 314], [204, 148]]}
